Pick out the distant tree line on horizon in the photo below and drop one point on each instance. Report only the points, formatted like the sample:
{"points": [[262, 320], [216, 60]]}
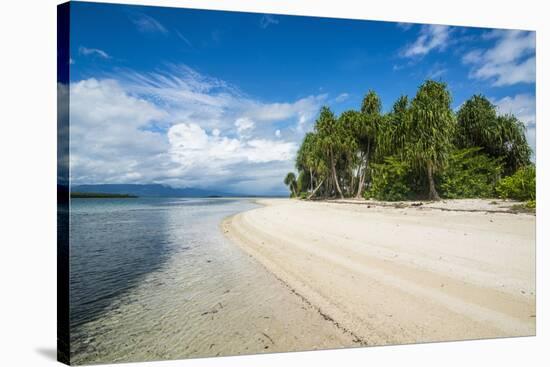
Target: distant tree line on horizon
{"points": [[421, 148]]}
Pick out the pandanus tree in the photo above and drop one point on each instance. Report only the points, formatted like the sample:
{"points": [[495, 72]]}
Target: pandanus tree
{"points": [[418, 136], [333, 141], [290, 181], [514, 146], [366, 131], [478, 125], [305, 157], [310, 159], [392, 137], [350, 159], [429, 131], [359, 149]]}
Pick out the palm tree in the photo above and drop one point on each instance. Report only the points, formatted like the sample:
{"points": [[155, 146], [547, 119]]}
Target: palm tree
{"points": [[332, 141], [336, 158], [366, 132], [514, 146], [430, 130], [290, 181], [393, 136], [478, 125], [371, 103], [310, 160], [305, 157]]}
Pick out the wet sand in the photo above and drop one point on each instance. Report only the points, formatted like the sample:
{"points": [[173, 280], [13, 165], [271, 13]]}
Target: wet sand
{"points": [[390, 275]]}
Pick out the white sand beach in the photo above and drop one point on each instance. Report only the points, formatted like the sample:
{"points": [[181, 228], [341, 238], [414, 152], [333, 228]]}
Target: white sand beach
{"points": [[392, 275]]}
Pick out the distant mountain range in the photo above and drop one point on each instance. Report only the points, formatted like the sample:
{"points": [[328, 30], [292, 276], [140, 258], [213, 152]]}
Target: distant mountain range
{"points": [[151, 190]]}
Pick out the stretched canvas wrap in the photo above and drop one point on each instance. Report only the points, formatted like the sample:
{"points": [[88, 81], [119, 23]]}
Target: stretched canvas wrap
{"points": [[238, 183]]}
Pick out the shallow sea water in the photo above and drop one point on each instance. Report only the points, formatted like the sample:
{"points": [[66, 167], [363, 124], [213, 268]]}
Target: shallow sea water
{"points": [[154, 278]]}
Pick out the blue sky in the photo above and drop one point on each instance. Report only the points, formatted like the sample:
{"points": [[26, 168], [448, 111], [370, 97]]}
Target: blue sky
{"points": [[222, 99]]}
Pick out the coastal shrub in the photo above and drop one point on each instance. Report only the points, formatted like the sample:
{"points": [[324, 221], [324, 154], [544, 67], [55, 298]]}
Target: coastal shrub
{"points": [[519, 186], [391, 180], [469, 174]]}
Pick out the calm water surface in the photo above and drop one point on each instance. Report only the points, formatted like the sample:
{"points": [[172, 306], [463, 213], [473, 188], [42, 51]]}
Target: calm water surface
{"points": [[154, 278]]}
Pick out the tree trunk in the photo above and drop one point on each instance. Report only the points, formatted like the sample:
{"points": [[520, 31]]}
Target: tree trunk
{"points": [[361, 184], [310, 179], [364, 174], [334, 176], [432, 195], [359, 170], [352, 183], [314, 191]]}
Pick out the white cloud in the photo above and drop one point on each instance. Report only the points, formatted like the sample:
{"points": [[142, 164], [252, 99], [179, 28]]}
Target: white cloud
{"points": [[108, 143], [434, 74], [511, 60], [341, 97], [404, 26], [147, 24], [267, 19], [191, 96], [243, 124], [182, 128], [183, 38], [97, 103], [472, 57], [523, 106], [93, 52], [215, 159], [437, 71], [303, 109], [278, 133], [431, 37], [191, 146]]}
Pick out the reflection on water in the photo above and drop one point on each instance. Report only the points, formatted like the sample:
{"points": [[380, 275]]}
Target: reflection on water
{"points": [[113, 244], [154, 278]]}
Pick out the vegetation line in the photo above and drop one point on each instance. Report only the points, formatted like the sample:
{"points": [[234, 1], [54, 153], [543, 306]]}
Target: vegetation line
{"points": [[420, 149], [401, 205]]}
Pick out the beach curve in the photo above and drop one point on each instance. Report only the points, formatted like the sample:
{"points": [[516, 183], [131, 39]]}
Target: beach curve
{"points": [[399, 275]]}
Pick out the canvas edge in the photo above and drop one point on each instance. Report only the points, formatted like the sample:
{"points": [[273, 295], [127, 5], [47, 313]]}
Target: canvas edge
{"points": [[63, 72]]}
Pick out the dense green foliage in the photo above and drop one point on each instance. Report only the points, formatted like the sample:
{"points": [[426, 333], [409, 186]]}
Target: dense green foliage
{"points": [[430, 131], [419, 149], [520, 186], [391, 180], [499, 136], [470, 174]]}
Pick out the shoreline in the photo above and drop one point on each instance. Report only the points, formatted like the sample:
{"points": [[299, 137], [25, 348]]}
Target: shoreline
{"points": [[454, 205], [205, 297], [399, 275]]}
